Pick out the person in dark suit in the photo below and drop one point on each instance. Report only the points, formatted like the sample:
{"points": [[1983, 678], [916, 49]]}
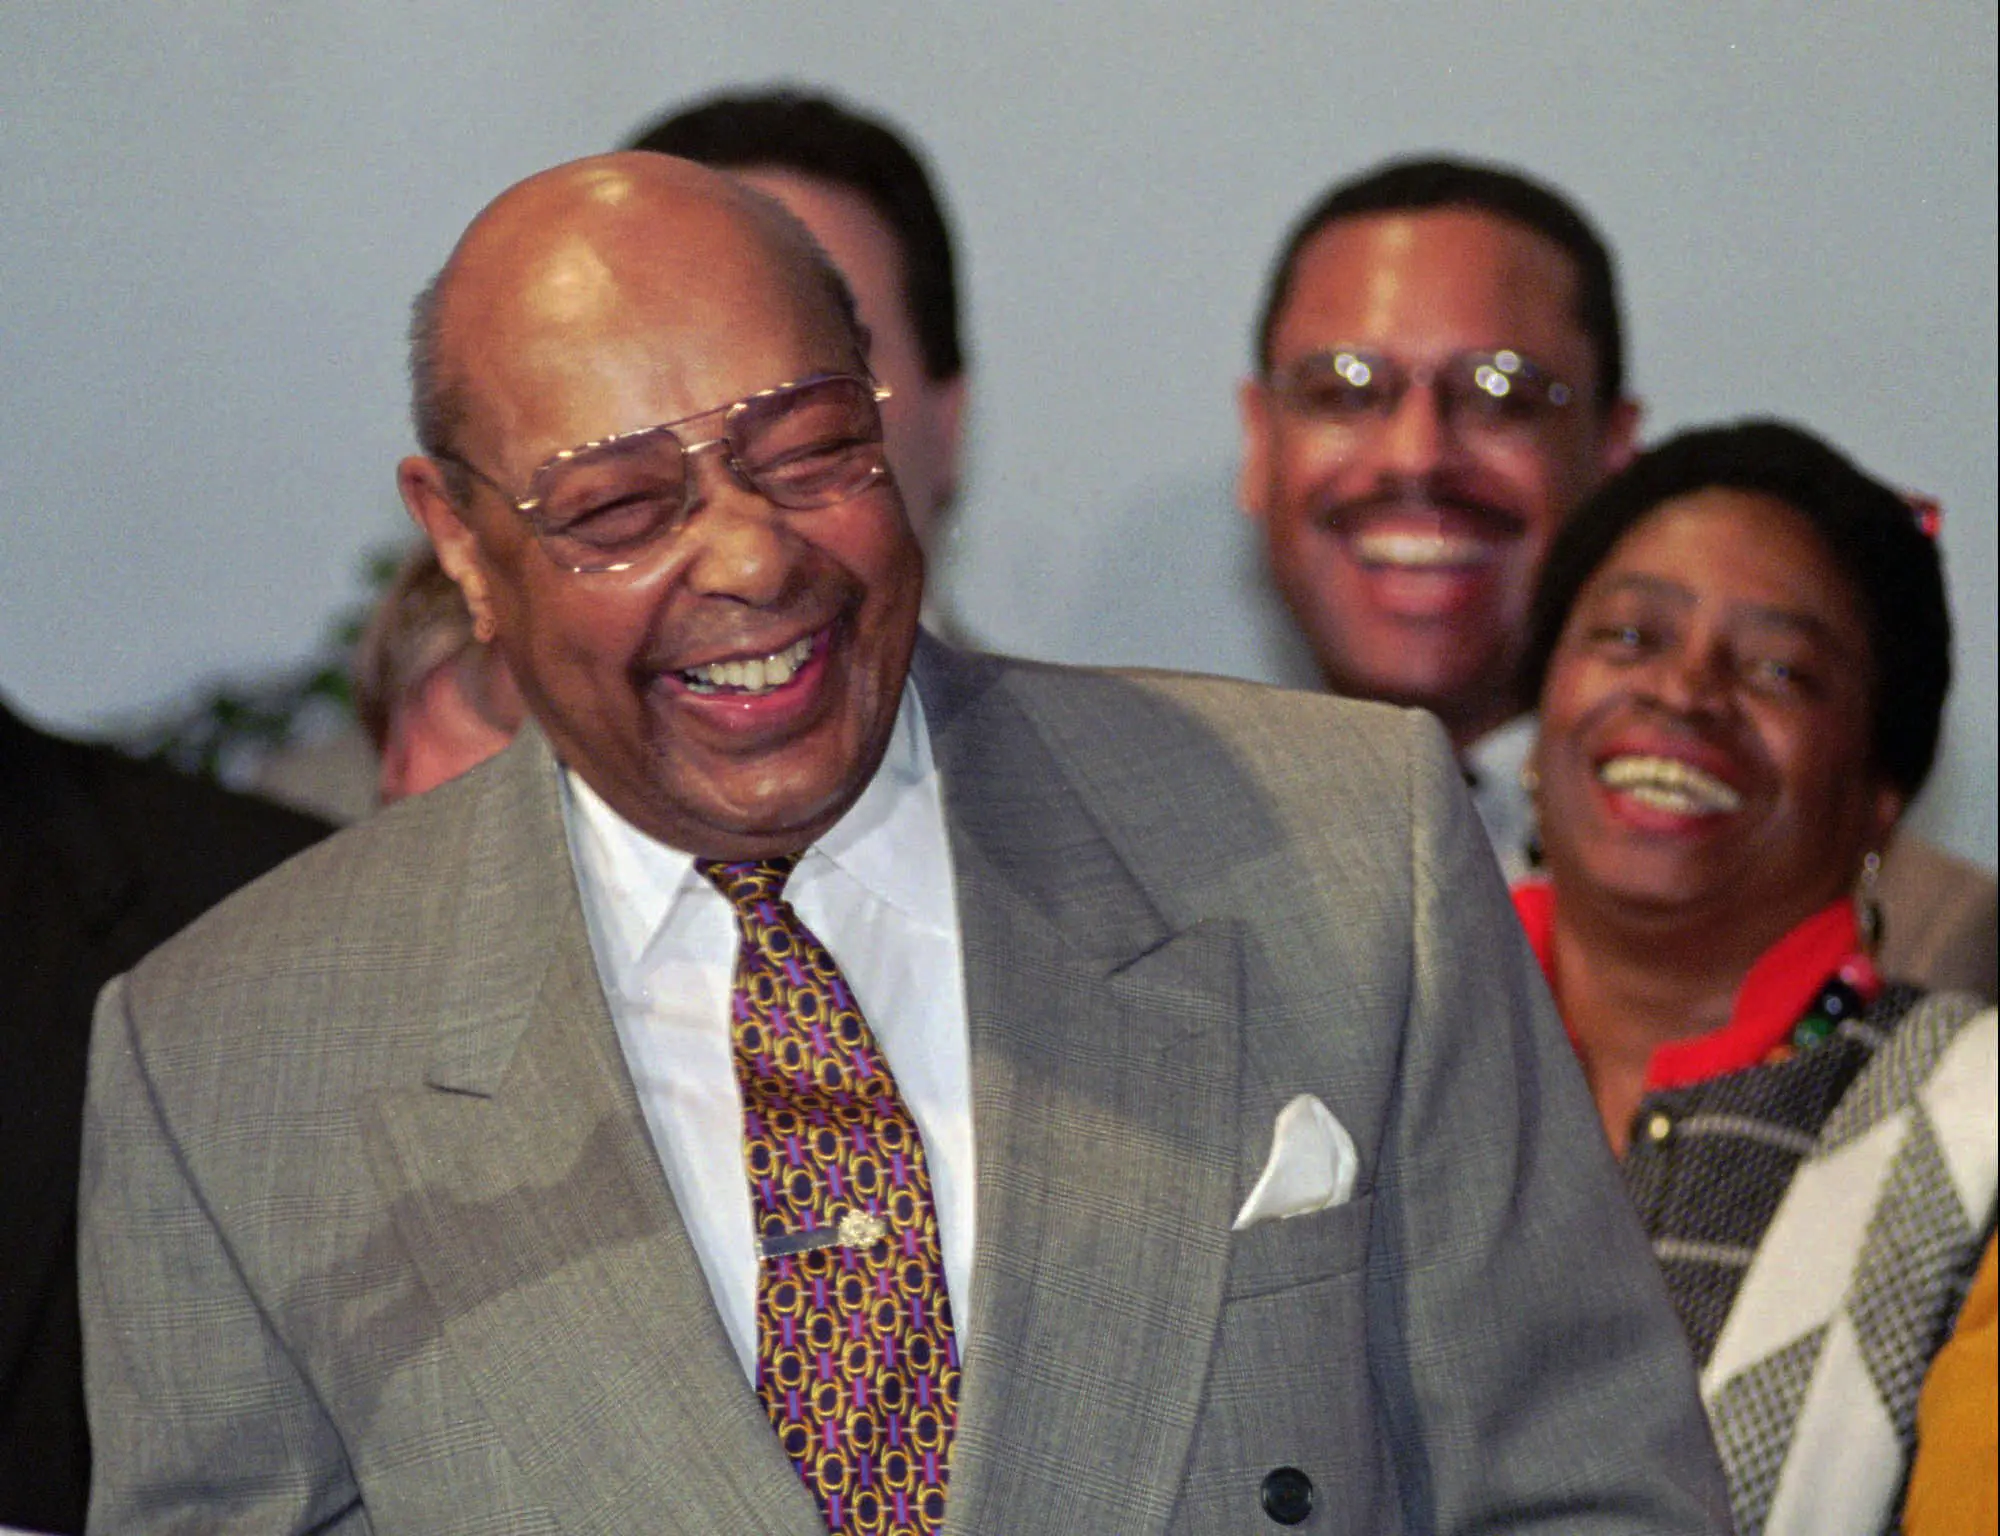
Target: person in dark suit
{"points": [[815, 1079], [101, 858]]}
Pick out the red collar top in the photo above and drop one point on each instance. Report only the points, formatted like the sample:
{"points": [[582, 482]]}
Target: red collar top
{"points": [[1782, 986]]}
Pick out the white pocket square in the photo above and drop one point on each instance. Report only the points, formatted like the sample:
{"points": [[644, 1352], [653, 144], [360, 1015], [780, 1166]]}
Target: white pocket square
{"points": [[1311, 1167]]}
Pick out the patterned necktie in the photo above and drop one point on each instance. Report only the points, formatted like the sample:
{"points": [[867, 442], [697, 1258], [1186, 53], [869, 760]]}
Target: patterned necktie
{"points": [[857, 1364]]}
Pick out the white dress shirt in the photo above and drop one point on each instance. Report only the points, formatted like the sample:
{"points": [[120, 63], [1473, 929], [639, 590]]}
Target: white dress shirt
{"points": [[1493, 764], [878, 891]]}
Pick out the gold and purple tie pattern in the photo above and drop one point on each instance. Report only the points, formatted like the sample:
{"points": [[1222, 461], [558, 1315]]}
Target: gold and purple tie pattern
{"points": [[857, 1363]]}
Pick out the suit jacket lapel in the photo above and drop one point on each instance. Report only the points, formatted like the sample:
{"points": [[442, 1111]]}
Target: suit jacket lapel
{"points": [[522, 1182], [1104, 1071]]}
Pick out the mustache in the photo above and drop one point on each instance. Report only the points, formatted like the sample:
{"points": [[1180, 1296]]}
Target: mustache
{"points": [[1488, 517]]}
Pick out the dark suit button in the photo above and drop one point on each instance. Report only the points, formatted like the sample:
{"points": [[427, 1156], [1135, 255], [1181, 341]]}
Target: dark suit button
{"points": [[1288, 1496]]}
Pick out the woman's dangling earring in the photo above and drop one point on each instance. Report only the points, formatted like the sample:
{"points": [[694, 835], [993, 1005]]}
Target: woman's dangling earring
{"points": [[1868, 904]]}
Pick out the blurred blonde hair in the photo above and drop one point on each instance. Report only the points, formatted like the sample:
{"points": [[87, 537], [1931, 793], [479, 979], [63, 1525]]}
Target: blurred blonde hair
{"points": [[420, 626]]}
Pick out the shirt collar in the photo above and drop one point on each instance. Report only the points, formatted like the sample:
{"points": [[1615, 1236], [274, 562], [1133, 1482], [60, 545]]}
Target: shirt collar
{"points": [[1775, 992], [891, 842], [1497, 758]]}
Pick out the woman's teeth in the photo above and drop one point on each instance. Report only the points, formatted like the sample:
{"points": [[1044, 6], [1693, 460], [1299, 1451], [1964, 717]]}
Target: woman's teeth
{"points": [[1667, 784], [757, 675]]}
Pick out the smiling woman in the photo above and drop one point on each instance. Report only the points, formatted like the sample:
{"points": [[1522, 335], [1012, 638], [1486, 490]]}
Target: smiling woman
{"points": [[1706, 760], [1741, 653]]}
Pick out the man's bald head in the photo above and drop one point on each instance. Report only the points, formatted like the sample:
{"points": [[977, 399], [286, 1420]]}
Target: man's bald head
{"points": [[555, 245], [645, 331]]}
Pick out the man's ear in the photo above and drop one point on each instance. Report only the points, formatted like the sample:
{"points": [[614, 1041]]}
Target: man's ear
{"points": [[431, 506], [1620, 441], [1253, 480]]}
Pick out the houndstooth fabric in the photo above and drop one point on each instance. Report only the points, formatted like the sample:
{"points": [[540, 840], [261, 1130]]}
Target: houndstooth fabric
{"points": [[1710, 1162], [857, 1361], [1914, 1251], [1812, 1382], [1753, 1414], [1923, 1028]]}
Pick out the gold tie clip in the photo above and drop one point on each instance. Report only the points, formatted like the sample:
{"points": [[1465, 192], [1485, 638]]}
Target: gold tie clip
{"points": [[857, 1229]]}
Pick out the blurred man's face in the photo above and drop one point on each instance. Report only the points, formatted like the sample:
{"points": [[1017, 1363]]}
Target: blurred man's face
{"points": [[464, 712], [731, 689], [920, 421], [1406, 540]]}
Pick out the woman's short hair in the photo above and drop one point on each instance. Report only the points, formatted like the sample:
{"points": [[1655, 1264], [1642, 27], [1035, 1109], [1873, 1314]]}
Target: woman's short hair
{"points": [[1874, 535]]}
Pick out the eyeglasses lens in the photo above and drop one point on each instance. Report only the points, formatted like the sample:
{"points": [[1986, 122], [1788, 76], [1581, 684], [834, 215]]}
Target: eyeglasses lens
{"points": [[803, 447], [597, 507], [1480, 391], [810, 446]]}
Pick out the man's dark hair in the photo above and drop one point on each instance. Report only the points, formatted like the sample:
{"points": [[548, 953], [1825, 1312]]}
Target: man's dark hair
{"points": [[1873, 534], [818, 137], [1423, 186]]}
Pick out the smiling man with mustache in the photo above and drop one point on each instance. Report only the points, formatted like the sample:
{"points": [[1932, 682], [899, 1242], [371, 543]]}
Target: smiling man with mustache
{"points": [[1440, 378]]}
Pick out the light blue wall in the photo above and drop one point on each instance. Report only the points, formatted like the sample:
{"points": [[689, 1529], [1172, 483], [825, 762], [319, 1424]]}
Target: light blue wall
{"points": [[217, 211]]}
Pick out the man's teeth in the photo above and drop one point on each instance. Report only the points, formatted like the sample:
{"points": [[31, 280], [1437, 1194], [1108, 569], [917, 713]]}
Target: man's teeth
{"points": [[757, 675], [1421, 551], [1668, 784]]}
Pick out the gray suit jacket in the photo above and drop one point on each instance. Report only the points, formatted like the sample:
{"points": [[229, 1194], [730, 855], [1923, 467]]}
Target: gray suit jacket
{"points": [[375, 1239]]}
